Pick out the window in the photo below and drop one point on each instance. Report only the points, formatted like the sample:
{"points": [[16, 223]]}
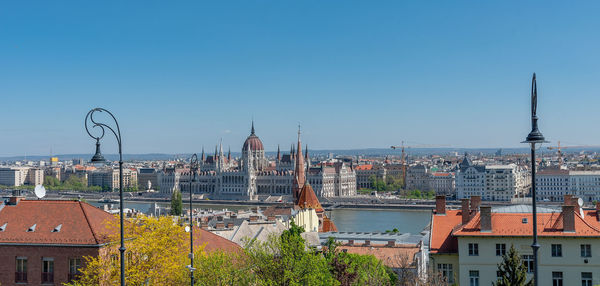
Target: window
{"points": [[586, 278], [557, 279], [586, 250], [447, 272], [47, 270], [528, 262], [21, 270], [500, 249], [474, 278], [473, 249], [557, 250], [74, 266]]}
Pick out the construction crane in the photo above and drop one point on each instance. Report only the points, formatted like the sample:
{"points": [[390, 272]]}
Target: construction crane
{"points": [[403, 156], [558, 149]]}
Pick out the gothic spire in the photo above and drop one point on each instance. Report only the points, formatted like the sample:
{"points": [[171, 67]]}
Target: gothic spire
{"points": [[252, 130], [278, 153], [229, 154], [202, 157], [299, 173]]}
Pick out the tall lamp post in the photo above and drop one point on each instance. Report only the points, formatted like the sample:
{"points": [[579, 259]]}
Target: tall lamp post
{"points": [[193, 169], [534, 137], [98, 158]]}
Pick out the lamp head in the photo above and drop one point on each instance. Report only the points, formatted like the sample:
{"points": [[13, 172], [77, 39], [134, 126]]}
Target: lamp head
{"points": [[98, 158]]}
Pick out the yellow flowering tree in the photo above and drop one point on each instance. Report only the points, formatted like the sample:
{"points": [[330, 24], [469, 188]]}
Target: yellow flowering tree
{"points": [[156, 255]]}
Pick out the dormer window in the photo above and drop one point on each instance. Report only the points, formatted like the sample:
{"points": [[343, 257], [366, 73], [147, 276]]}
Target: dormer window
{"points": [[32, 228], [57, 228]]}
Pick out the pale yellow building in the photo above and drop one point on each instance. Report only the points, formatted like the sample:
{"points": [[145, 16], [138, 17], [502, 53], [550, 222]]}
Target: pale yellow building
{"points": [[467, 244]]}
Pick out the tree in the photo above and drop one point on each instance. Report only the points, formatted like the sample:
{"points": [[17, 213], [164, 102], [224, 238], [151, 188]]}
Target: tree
{"points": [[283, 260], [176, 203], [512, 271], [156, 255]]}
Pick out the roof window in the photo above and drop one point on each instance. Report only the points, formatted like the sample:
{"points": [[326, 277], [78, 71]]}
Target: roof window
{"points": [[3, 227], [524, 220], [32, 228], [57, 228]]}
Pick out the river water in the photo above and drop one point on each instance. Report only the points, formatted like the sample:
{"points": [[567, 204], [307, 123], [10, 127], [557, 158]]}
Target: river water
{"points": [[349, 220]]}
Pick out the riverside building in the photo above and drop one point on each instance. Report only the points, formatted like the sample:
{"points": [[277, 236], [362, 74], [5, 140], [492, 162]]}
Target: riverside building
{"points": [[253, 177]]}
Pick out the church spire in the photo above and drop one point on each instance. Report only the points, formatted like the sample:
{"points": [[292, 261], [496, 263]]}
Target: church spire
{"points": [[202, 157], [278, 153], [299, 174], [229, 154], [252, 129]]}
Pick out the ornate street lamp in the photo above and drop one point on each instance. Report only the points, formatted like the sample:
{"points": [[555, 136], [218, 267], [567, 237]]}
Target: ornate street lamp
{"points": [[98, 158], [535, 136], [193, 169]]}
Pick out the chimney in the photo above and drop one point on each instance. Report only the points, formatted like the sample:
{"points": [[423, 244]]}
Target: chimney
{"points": [[475, 203], [204, 225], [253, 218], [230, 225], [220, 225], [391, 243], [598, 211], [568, 213], [271, 218], [486, 218], [567, 199], [219, 218], [575, 203], [440, 205], [466, 214], [367, 242]]}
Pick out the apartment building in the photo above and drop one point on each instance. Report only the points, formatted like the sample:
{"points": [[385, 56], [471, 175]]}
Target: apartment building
{"points": [[467, 244], [18, 176]]}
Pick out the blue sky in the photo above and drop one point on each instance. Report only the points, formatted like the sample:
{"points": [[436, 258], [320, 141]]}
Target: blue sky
{"points": [[182, 74]]}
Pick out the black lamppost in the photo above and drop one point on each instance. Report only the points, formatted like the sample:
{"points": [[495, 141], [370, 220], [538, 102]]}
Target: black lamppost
{"points": [[98, 158], [193, 169], [535, 136]]}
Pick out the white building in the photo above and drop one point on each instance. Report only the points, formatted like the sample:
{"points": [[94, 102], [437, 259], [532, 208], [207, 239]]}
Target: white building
{"points": [[443, 183], [18, 176], [492, 182], [552, 184]]}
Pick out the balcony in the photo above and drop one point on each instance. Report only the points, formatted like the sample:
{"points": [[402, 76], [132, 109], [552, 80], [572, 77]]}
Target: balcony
{"points": [[20, 277], [47, 277]]}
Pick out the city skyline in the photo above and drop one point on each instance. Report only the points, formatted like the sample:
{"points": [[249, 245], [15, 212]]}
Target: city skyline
{"points": [[354, 76]]}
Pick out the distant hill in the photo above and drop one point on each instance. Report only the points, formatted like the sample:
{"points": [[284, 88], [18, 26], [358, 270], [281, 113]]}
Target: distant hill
{"points": [[320, 153]]}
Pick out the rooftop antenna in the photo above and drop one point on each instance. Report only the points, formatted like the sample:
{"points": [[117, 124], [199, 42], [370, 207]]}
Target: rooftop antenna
{"points": [[40, 191]]}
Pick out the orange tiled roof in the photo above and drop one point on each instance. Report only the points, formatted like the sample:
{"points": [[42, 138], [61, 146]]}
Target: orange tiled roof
{"points": [[308, 199], [442, 240], [391, 256], [328, 225], [549, 224], [363, 167], [80, 223]]}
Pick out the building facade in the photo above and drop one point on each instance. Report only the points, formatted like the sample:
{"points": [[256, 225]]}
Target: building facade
{"points": [[18, 176], [253, 176], [467, 245], [492, 182]]}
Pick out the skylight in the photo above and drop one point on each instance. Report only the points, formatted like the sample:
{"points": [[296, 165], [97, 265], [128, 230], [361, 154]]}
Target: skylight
{"points": [[3, 227], [32, 228]]}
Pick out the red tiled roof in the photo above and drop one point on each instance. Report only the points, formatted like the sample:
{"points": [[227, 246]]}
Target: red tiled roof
{"points": [[549, 224], [363, 167], [328, 225], [213, 242], [442, 174], [308, 199], [442, 240], [81, 223]]}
